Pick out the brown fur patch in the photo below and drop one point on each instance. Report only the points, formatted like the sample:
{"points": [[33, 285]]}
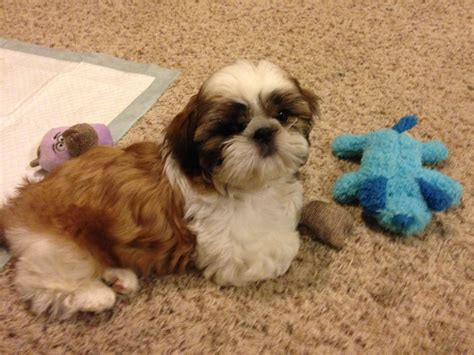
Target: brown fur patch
{"points": [[311, 98], [299, 105], [196, 134], [116, 204], [179, 136]]}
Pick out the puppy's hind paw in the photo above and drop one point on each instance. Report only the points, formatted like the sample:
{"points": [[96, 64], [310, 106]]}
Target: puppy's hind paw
{"points": [[123, 281]]}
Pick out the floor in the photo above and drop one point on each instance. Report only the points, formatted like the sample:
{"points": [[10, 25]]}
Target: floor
{"points": [[371, 64]]}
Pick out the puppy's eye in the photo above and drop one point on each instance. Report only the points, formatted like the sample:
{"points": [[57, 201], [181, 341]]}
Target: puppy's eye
{"points": [[237, 127], [229, 129], [282, 116]]}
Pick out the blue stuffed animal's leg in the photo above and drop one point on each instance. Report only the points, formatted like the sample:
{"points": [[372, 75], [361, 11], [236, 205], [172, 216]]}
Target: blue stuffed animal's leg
{"points": [[346, 188], [433, 152], [349, 146], [440, 191]]}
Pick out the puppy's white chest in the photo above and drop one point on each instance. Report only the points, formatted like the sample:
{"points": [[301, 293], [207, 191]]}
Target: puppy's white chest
{"points": [[247, 236]]}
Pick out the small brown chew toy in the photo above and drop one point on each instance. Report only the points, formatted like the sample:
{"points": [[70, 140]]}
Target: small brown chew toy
{"points": [[328, 222], [79, 138]]}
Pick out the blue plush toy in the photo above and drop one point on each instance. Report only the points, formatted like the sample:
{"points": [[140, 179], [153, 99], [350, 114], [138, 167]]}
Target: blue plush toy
{"points": [[392, 185]]}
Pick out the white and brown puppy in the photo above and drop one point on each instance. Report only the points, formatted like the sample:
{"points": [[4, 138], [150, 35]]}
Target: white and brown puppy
{"points": [[221, 188]]}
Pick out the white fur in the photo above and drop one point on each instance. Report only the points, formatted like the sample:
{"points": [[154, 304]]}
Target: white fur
{"points": [[59, 278], [245, 80], [243, 166], [243, 236]]}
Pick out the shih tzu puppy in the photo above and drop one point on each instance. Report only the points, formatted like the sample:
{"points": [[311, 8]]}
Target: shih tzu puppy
{"points": [[221, 190]]}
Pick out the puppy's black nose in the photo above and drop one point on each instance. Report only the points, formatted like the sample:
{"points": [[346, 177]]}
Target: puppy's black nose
{"points": [[264, 135], [264, 138]]}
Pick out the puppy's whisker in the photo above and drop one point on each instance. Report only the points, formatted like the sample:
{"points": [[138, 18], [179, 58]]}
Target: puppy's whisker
{"points": [[293, 123]]}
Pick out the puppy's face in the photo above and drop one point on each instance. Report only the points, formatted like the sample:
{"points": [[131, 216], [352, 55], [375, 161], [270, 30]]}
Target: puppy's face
{"points": [[249, 124]]}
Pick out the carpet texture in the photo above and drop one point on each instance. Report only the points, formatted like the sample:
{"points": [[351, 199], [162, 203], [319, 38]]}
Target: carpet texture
{"points": [[371, 65]]}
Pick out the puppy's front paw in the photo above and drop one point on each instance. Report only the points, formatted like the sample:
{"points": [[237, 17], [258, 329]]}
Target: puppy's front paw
{"points": [[240, 274], [123, 281], [95, 297]]}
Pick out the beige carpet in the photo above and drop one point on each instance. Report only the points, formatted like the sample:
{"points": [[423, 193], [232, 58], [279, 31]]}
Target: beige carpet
{"points": [[371, 65]]}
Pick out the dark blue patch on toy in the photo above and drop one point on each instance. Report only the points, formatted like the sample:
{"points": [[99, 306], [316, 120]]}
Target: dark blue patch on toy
{"points": [[405, 123], [373, 194], [403, 221], [436, 199]]}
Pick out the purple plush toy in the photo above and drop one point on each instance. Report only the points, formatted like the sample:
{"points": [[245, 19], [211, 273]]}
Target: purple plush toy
{"points": [[63, 143]]}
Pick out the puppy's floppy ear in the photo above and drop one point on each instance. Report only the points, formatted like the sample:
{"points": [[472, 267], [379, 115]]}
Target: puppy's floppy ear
{"points": [[180, 138], [313, 101], [310, 97]]}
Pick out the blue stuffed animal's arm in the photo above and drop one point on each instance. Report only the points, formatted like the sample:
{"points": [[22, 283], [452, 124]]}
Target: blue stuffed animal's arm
{"points": [[433, 152], [349, 146], [440, 191], [346, 188]]}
